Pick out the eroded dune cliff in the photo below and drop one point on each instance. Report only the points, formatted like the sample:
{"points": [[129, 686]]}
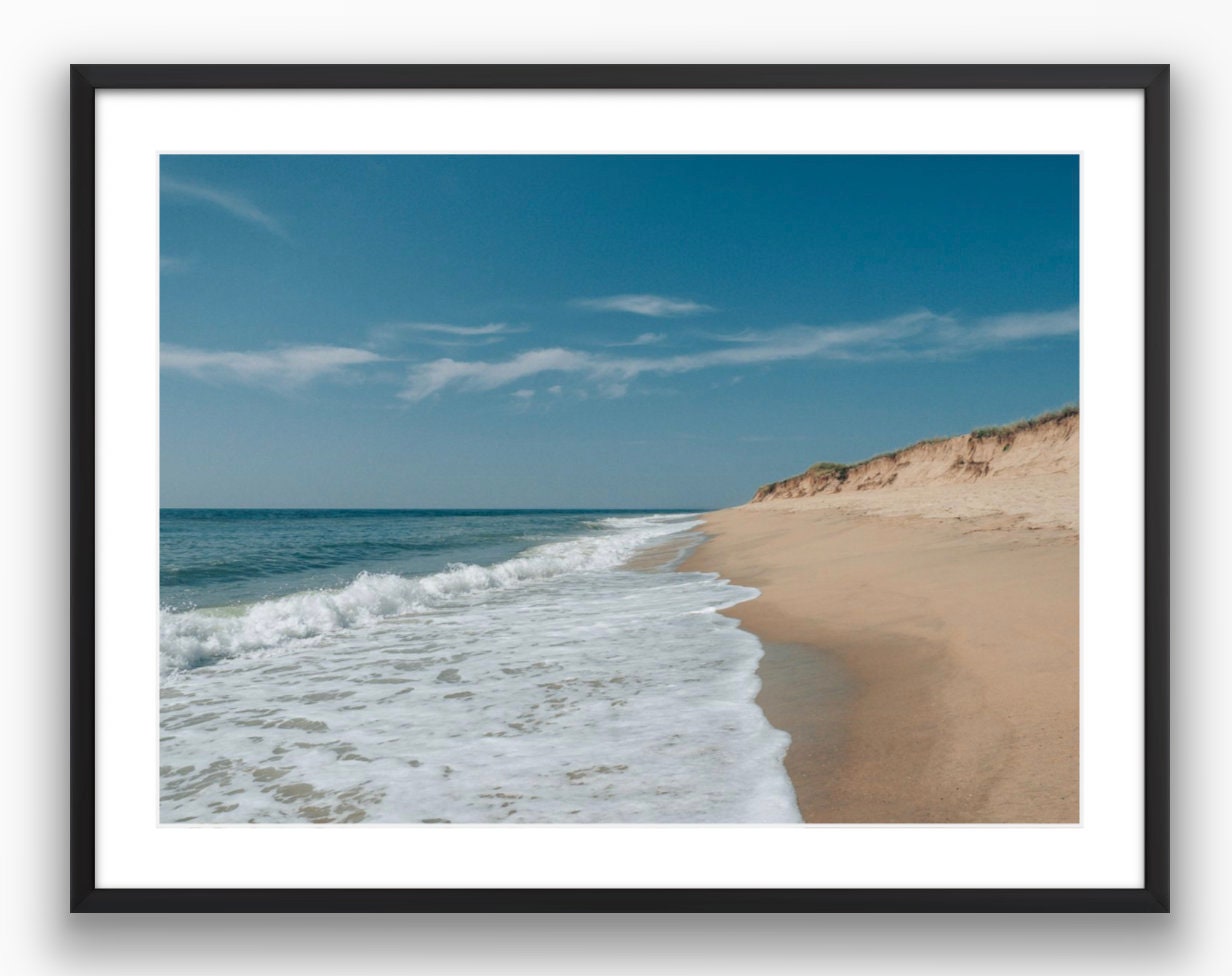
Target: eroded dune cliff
{"points": [[1028, 470]]}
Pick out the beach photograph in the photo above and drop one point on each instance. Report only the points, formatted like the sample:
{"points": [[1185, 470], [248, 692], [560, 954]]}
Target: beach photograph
{"points": [[618, 489]]}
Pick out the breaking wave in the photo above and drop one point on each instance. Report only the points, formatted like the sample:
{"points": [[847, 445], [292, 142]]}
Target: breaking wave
{"points": [[200, 637]]}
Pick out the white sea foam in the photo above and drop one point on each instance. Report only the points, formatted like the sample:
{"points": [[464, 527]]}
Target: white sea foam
{"points": [[551, 688], [194, 638]]}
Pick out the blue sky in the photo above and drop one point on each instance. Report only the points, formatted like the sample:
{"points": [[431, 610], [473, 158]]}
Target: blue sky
{"points": [[596, 331]]}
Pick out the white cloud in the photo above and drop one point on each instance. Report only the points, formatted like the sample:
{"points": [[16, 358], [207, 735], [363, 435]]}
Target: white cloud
{"points": [[232, 203], [427, 378], [456, 335], [458, 330], [1011, 328], [280, 369], [645, 339], [656, 306], [523, 394], [170, 265], [919, 335]]}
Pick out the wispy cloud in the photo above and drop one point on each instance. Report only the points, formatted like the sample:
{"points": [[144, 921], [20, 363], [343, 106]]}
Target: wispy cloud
{"points": [[656, 306], [232, 203], [645, 339], [919, 335], [1013, 328], [170, 265], [441, 334], [283, 369], [457, 330], [428, 378]]}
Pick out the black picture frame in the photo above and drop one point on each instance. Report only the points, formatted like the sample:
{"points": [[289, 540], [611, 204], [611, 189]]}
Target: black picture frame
{"points": [[1152, 80]]}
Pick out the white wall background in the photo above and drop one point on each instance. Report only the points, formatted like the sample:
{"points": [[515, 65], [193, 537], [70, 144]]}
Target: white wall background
{"points": [[39, 41]]}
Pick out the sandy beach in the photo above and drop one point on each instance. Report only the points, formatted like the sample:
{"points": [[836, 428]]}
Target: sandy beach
{"points": [[920, 618]]}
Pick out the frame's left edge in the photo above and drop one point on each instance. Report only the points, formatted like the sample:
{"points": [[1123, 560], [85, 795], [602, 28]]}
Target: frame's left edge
{"points": [[81, 498]]}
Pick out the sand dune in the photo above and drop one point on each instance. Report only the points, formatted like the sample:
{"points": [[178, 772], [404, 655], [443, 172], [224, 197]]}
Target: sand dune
{"points": [[1025, 477]]}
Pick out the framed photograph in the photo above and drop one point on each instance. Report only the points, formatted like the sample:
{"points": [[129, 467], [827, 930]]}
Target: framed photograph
{"points": [[662, 488]]}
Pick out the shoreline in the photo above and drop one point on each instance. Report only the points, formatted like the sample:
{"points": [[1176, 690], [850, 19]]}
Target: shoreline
{"points": [[925, 668]]}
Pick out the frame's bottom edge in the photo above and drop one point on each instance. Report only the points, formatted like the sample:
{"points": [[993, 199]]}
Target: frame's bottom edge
{"points": [[574, 900]]}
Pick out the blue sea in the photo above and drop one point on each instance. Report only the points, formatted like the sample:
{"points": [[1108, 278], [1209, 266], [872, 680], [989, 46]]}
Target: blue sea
{"points": [[335, 666]]}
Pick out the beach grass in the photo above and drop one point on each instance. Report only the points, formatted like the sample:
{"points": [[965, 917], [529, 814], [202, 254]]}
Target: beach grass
{"points": [[1030, 423], [979, 433]]}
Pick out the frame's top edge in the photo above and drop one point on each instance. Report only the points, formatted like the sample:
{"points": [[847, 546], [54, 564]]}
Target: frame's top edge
{"points": [[619, 76]]}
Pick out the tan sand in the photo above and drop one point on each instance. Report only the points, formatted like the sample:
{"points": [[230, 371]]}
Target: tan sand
{"points": [[922, 638]]}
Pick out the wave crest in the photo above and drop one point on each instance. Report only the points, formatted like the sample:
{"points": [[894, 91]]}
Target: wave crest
{"points": [[196, 638]]}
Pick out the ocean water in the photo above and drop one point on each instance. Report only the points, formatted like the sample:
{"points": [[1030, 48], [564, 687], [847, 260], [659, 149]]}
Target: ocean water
{"points": [[455, 667]]}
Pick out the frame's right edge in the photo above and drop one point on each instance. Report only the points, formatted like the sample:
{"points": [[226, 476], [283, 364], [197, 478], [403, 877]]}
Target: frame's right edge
{"points": [[1156, 487]]}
